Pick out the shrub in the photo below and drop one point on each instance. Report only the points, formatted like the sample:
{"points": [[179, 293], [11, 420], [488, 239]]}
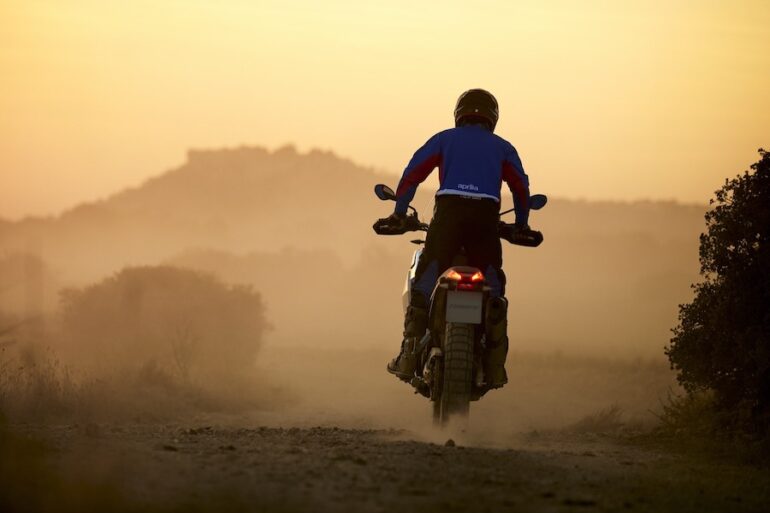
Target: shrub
{"points": [[165, 319], [722, 341]]}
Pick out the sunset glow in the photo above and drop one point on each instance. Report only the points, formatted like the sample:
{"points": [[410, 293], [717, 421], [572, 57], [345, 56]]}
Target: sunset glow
{"points": [[604, 100]]}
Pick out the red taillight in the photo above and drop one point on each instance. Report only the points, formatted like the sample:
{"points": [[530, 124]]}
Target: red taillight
{"points": [[465, 278], [454, 275]]}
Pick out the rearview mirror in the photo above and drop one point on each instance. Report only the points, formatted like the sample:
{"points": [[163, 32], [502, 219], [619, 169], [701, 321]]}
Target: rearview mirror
{"points": [[537, 201], [384, 192]]}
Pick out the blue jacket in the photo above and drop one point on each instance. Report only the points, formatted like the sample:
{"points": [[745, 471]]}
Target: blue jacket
{"points": [[471, 161]]}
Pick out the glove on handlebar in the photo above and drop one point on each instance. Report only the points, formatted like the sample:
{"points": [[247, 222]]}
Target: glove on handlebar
{"points": [[396, 224], [520, 235]]}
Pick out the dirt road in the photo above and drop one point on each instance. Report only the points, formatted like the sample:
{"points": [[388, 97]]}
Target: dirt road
{"points": [[210, 468], [537, 445]]}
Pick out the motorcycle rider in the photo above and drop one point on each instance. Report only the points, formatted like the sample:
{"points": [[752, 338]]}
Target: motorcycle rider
{"points": [[473, 162]]}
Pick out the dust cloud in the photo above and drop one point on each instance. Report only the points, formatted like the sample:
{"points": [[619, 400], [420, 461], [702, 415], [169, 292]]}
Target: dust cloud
{"points": [[203, 291]]}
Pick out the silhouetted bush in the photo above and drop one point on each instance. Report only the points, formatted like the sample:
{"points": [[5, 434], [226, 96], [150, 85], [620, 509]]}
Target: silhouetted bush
{"points": [[165, 321], [722, 342], [148, 342]]}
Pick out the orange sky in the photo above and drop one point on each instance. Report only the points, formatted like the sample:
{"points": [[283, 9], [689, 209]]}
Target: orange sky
{"points": [[620, 100]]}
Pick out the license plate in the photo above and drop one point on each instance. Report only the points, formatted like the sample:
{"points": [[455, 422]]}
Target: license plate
{"points": [[463, 307]]}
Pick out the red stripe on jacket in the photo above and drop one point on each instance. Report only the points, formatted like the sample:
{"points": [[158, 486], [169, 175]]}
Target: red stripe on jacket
{"points": [[419, 173], [516, 184]]}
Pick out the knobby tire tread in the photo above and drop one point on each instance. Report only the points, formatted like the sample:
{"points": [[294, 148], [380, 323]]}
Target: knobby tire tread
{"points": [[458, 370]]}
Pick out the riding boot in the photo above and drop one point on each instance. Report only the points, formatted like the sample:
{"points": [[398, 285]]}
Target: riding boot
{"points": [[496, 349], [415, 324]]}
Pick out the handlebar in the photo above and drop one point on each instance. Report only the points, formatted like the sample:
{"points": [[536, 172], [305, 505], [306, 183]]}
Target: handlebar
{"points": [[512, 233], [509, 232]]}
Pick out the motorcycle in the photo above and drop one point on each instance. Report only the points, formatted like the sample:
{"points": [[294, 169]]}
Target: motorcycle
{"points": [[449, 368]]}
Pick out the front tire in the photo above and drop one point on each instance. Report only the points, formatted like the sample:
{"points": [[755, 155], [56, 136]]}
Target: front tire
{"points": [[458, 371]]}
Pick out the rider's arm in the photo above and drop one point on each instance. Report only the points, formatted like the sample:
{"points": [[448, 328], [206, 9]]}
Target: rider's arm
{"points": [[422, 164], [518, 183]]}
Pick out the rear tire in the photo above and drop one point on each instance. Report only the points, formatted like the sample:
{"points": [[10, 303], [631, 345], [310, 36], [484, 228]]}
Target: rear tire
{"points": [[458, 371]]}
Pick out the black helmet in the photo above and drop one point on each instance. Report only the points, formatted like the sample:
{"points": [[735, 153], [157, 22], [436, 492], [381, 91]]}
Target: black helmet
{"points": [[477, 103]]}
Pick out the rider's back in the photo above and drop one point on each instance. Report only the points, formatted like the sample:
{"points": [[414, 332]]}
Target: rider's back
{"points": [[472, 161]]}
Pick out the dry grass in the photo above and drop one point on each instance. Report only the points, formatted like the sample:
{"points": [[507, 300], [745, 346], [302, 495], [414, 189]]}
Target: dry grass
{"points": [[35, 386], [693, 425], [688, 415]]}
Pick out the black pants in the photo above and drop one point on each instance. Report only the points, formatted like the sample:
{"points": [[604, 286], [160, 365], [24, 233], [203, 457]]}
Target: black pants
{"points": [[460, 223]]}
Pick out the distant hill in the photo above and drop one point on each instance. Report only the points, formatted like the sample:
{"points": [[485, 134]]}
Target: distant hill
{"points": [[237, 199], [608, 274]]}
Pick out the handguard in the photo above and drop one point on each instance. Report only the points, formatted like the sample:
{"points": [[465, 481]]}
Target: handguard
{"points": [[385, 227], [520, 236]]}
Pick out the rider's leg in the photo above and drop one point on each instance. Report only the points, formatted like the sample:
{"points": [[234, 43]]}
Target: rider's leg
{"points": [[441, 244], [415, 324], [416, 318]]}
